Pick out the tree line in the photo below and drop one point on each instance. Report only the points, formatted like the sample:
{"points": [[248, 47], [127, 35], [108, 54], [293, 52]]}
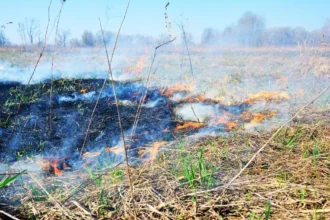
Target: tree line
{"points": [[249, 31]]}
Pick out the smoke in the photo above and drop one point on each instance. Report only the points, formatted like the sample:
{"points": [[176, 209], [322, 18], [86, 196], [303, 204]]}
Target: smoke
{"points": [[196, 111], [84, 64]]}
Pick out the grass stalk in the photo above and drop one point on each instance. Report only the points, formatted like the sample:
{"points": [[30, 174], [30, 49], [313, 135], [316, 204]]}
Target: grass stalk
{"points": [[117, 103]]}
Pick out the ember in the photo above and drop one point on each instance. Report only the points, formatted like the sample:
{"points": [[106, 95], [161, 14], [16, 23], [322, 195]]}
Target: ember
{"points": [[177, 87], [268, 96], [256, 117], [189, 124], [230, 126]]}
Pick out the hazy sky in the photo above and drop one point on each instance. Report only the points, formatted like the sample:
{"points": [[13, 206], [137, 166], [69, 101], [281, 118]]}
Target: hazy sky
{"points": [[147, 16]]}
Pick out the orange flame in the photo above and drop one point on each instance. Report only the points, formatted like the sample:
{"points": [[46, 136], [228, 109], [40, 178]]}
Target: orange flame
{"points": [[256, 117], [138, 68], [51, 164], [198, 98], [230, 126], [177, 87], [154, 149], [246, 116], [83, 91], [54, 165], [116, 150], [189, 124], [268, 96], [88, 154], [44, 164]]}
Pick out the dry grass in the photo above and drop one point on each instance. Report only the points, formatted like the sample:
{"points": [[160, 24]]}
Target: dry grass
{"points": [[293, 174]]}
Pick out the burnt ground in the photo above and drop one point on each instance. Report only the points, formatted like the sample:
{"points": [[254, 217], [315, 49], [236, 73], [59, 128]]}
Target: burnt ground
{"points": [[27, 131]]}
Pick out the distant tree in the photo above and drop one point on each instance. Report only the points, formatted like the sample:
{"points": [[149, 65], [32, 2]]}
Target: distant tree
{"points": [[29, 30], [188, 37], [3, 39], [315, 38], [108, 37], [280, 36], [229, 35], [210, 36], [301, 36], [88, 39], [63, 37], [21, 31], [251, 28], [325, 32], [74, 42]]}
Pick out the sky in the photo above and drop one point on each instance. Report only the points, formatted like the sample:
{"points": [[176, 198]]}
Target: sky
{"points": [[146, 17]]}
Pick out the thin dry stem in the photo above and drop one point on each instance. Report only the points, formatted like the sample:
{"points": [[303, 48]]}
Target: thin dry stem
{"points": [[271, 138], [36, 65], [144, 93], [50, 196], [116, 100], [51, 72]]}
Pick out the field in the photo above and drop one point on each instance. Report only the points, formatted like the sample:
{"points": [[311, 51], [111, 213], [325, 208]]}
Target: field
{"points": [[195, 150]]}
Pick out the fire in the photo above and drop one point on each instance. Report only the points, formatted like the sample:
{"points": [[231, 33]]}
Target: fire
{"points": [[116, 150], [189, 124], [246, 116], [140, 64], [177, 87], [52, 165], [154, 149], [230, 126], [141, 152], [256, 117], [268, 96], [198, 98], [88, 154], [138, 68], [221, 119], [83, 91]]}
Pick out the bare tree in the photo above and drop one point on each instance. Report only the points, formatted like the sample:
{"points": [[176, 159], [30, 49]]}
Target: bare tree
{"points": [[74, 42], [325, 30], [3, 39], [21, 31], [63, 37], [29, 30], [108, 37], [251, 28], [210, 36], [88, 39]]}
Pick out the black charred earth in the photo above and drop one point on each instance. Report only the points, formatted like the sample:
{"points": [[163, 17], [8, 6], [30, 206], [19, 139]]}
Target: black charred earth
{"points": [[31, 129]]}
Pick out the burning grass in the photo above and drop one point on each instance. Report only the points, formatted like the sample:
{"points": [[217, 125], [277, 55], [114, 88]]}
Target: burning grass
{"points": [[190, 125], [268, 96], [289, 180]]}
